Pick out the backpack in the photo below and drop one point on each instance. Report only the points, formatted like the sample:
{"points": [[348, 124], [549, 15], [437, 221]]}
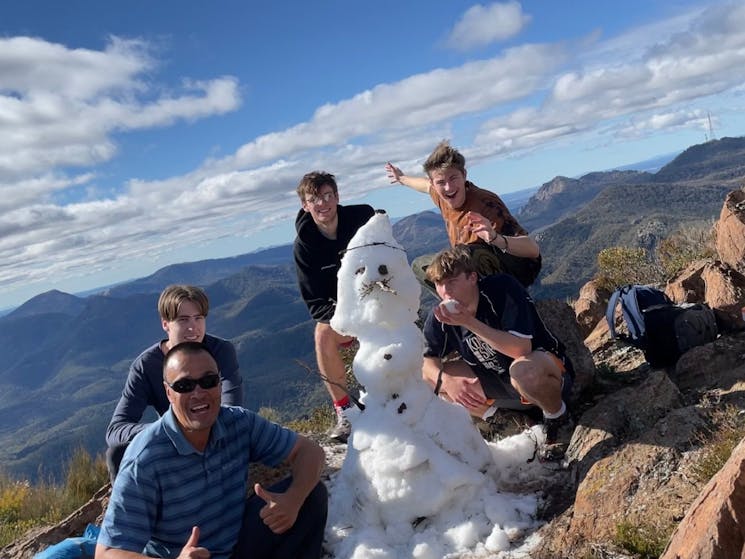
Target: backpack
{"points": [[661, 329]]}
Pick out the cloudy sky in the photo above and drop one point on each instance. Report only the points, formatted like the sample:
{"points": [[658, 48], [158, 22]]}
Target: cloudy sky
{"points": [[135, 135]]}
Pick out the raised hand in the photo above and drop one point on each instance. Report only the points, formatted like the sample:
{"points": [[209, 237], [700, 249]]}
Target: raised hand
{"points": [[394, 173], [280, 511], [192, 550]]}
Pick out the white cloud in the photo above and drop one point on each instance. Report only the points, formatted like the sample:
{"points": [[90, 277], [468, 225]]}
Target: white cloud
{"points": [[693, 63], [60, 106], [483, 25], [527, 97]]}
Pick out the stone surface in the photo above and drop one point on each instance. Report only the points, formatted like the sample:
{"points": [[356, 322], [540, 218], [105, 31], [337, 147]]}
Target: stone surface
{"points": [[730, 231], [560, 320], [687, 286], [589, 308], [714, 527]]}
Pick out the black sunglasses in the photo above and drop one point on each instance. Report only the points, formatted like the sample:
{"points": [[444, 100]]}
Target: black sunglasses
{"points": [[189, 384]]}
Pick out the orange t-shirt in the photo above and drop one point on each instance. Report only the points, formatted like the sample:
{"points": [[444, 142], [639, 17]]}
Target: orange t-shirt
{"points": [[481, 201]]}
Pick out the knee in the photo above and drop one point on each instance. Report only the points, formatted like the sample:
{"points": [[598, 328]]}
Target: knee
{"points": [[526, 374], [324, 336]]}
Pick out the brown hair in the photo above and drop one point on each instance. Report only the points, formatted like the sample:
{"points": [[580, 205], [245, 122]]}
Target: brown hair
{"points": [[172, 297], [444, 156], [312, 182], [449, 263]]}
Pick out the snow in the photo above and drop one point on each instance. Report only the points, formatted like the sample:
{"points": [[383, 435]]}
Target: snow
{"points": [[418, 479]]}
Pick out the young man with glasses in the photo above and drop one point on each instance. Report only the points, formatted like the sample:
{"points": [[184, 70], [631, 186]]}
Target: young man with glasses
{"points": [[183, 482], [324, 228], [183, 313]]}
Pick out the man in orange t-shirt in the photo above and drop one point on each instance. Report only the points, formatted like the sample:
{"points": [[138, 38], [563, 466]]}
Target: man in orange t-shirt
{"points": [[474, 217]]}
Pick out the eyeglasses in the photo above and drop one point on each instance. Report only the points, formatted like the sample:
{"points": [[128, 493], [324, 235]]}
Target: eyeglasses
{"points": [[185, 385], [322, 199]]}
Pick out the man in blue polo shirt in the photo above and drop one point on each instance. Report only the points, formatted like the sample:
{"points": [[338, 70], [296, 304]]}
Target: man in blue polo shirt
{"points": [[181, 490]]}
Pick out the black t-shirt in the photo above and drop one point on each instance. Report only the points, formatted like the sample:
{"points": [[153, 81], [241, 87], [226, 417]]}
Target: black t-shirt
{"points": [[504, 304]]}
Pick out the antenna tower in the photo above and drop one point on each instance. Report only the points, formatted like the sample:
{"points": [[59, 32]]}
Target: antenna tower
{"points": [[711, 128]]}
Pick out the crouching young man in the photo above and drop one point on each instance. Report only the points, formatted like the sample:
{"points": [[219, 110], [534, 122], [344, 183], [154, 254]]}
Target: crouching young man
{"points": [[181, 489], [507, 356]]}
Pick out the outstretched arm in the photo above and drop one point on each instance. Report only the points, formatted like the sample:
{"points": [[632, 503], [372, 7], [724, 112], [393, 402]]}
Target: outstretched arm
{"points": [[420, 184]]}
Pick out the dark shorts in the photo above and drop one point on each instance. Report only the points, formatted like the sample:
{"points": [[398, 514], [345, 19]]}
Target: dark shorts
{"points": [[499, 388]]}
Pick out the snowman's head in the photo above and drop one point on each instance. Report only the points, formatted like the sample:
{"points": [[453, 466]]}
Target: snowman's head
{"points": [[376, 286]]}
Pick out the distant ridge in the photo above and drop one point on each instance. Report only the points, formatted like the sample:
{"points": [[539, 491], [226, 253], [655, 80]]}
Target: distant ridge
{"points": [[60, 302]]}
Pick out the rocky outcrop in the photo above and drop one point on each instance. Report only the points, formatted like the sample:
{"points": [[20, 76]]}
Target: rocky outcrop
{"points": [[717, 284], [559, 318], [589, 308], [730, 231], [714, 527]]}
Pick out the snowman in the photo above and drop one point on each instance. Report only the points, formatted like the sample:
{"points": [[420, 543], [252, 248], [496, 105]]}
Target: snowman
{"points": [[418, 479]]}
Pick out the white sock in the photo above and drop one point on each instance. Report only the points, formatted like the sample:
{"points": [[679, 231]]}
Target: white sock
{"points": [[559, 413]]}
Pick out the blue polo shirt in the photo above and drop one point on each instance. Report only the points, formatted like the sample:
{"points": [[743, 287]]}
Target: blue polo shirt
{"points": [[165, 486]]}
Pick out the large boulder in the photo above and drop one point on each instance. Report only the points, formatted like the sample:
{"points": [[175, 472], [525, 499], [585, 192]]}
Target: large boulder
{"points": [[725, 292], [717, 284], [589, 308], [632, 468], [714, 526], [687, 286], [559, 318], [730, 231], [716, 365]]}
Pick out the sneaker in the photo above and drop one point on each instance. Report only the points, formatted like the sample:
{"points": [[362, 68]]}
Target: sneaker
{"points": [[340, 432], [558, 434]]}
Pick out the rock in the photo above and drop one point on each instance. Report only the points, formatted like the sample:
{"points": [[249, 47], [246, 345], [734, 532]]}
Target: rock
{"points": [[718, 364], [730, 231], [687, 286], [714, 527], [561, 322], [621, 416], [725, 292], [633, 470], [589, 308]]}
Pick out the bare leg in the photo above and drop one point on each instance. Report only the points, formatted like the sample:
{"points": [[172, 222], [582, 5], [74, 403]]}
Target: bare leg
{"points": [[537, 377], [329, 359]]}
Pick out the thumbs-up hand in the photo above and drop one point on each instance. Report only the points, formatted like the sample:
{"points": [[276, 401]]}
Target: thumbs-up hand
{"points": [[280, 511], [192, 550]]}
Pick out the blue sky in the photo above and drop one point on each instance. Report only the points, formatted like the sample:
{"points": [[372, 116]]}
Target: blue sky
{"points": [[141, 134]]}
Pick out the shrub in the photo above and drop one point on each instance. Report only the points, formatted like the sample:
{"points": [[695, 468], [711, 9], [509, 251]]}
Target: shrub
{"points": [[685, 246], [621, 265], [85, 476], [647, 542], [726, 430], [24, 506]]}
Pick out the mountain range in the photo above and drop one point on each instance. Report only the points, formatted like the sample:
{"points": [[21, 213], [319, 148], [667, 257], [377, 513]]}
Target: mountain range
{"points": [[66, 356]]}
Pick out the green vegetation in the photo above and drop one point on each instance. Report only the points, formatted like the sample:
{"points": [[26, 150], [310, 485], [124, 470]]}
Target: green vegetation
{"points": [[620, 265], [685, 246], [23, 506], [645, 541], [726, 430]]}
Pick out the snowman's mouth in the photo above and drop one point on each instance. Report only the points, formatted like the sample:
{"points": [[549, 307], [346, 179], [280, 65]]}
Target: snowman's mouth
{"points": [[383, 285]]}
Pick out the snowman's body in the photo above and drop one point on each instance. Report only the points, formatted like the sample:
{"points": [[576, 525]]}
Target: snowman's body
{"points": [[415, 463]]}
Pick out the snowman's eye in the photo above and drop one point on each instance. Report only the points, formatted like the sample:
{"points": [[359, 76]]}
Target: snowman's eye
{"points": [[359, 271], [383, 270]]}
